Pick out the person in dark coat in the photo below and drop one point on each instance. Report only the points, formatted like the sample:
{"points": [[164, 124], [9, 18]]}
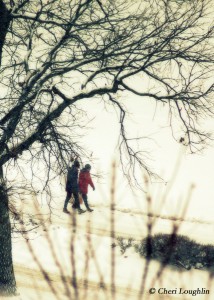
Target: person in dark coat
{"points": [[72, 188], [84, 181]]}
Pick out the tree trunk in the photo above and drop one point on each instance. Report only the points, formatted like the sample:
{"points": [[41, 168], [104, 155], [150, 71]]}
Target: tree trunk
{"points": [[7, 277], [4, 25]]}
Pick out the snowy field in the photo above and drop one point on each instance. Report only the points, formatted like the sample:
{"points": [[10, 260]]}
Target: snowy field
{"points": [[78, 257]]}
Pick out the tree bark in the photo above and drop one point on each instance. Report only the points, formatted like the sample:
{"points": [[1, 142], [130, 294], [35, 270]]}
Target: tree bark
{"points": [[7, 277], [4, 25]]}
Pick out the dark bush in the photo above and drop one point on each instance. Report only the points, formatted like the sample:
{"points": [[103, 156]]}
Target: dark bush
{"points": [[176, 250]]}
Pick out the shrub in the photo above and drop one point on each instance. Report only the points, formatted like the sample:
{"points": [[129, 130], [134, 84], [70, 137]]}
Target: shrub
{"points": [[176, 250]]}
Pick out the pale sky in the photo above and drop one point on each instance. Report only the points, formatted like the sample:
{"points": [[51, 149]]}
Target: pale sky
{"points": [[194, 169]]}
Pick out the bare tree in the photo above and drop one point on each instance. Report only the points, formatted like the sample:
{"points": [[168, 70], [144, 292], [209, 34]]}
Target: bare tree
{"points": [[54, 54]]}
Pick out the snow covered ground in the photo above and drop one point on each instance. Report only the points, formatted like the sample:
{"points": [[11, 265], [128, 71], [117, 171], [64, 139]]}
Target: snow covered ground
{"points": [[77, 257]]}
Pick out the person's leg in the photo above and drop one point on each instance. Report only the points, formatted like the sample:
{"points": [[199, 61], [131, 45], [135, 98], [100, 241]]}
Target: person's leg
{"points": [[77, 204], [74, 205], [68, 196], [85, 199]]}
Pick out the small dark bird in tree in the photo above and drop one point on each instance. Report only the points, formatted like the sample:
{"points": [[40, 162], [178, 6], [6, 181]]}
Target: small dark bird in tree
{"points": [[21, 84], [181, 140]]}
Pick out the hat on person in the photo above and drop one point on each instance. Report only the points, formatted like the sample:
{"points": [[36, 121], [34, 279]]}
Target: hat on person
{"points": [[87, 166], [76, 164]]}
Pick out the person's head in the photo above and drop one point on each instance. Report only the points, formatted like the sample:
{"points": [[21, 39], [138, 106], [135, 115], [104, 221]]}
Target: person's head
{"points": [[76, 164], [88, 167]]}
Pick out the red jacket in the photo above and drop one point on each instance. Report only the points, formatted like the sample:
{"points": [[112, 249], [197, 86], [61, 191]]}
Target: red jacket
{"points": [[84, 181]]}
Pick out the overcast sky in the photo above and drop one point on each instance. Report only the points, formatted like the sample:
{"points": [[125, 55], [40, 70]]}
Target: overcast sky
{"points": [[169, 159]]}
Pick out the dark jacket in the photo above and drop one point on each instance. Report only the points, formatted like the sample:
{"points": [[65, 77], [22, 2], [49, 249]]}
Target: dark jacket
{"points": [[72, 180], [84, 181]]}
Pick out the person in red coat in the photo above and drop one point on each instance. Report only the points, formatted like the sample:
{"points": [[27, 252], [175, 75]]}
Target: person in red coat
{"points": [[84, 181]]}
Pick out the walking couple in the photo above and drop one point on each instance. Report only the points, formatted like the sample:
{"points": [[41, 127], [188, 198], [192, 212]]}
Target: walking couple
{"points": [[75, 185]]}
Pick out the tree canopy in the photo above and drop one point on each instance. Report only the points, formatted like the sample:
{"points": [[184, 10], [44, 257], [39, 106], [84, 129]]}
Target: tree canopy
{"points": [[57, 53]]}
